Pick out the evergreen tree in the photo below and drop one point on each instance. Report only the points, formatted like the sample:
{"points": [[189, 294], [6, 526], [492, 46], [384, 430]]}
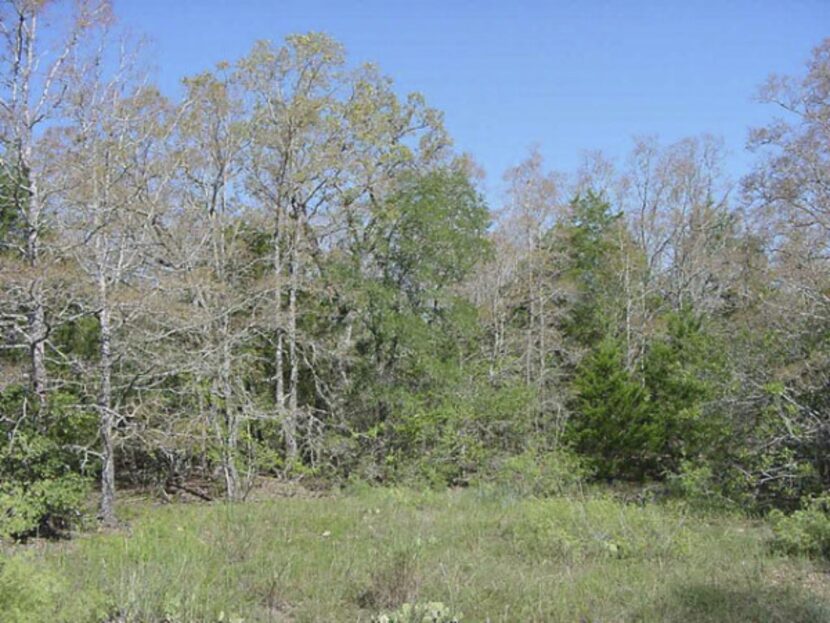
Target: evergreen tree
{"points": [[612, 423]]}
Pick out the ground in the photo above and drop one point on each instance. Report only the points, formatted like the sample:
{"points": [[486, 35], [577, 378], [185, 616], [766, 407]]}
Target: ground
{"points": [[486, 555]]}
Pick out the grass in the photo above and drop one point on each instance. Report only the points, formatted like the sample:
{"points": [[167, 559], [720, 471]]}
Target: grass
{"points": [[348, 557]]}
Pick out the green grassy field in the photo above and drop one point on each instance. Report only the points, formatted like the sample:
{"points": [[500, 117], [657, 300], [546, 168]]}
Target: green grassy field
{"points": [[349, 557]]}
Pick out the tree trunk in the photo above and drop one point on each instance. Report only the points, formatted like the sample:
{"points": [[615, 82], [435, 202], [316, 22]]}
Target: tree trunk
{"points": [[37, 347], [231, 435], [37, 329], [279, 372], [293, 355], [105, 411]]}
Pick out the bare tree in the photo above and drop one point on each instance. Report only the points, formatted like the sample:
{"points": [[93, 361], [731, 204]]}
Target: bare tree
{"points": [[676, 198], [33, 85], [109, 169], [213, 266], [536, 202]]}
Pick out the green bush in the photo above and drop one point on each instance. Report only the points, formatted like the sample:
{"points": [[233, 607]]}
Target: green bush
{"points": [[39, 492], [26, 593], [614, 425], [641, 424], [805, 532], [695, 483], [540, 474], [43, 507]]}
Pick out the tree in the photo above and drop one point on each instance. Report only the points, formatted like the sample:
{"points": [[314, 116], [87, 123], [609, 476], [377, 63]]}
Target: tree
{"points": [[401, 286], [535, 294], [327, 144], [109, 170], [212, 271], [678, 373], [612, 424], [35, 84], [676, 200], [792, 178], [788, 196], [592, 265]]}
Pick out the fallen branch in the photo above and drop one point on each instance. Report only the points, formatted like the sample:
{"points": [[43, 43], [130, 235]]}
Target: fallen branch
{"points": [[199, 494]]}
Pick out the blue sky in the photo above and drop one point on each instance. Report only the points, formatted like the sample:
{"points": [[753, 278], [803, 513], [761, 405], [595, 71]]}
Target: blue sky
{"points": [[569, 76]]}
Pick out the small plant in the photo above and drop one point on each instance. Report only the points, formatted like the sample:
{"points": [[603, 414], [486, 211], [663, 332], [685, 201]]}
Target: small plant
{"points": [[430, 612]]}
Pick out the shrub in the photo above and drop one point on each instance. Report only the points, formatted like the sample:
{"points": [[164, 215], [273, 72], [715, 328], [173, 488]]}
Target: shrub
{"points": [[641, 424], [541, 474], [806, 532], [26, 594], [696, 484], [39, 494], [614, 427]]}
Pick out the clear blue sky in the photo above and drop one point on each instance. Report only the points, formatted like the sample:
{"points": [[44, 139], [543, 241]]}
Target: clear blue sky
{"points": [[569, 75]]}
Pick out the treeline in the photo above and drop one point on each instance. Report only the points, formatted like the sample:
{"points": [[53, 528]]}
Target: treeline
{"points": [[289, 271]]}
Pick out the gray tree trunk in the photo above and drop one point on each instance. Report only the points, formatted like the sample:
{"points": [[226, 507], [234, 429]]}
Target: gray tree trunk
{"points": [[293, 354], [107, 423]]}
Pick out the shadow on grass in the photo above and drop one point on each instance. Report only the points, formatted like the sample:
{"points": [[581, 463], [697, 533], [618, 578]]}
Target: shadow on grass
{"points": [[705, 603]]}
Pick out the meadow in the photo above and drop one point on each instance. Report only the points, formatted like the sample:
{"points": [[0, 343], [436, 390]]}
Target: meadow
{"points": [[483, 554]]}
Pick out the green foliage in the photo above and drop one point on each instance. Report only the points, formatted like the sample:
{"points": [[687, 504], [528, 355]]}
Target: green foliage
{"points": [[696, 484], [634, 419], [12, 222], [588, 230], [26, 593], [540, 474], [644, 423], [676, 373], [805, 532], [408, 393], [79, 336], [777, 477], [42, 507], [613, 424], [452, 438], [590, 242], [770, 457], [433, 233], [40, 493]]}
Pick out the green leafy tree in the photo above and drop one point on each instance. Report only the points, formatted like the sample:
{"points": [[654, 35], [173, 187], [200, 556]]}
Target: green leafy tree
{"points": [[413, 330]]}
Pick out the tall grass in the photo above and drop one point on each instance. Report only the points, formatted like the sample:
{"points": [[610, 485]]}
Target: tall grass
{"points": [[349, 557]]}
